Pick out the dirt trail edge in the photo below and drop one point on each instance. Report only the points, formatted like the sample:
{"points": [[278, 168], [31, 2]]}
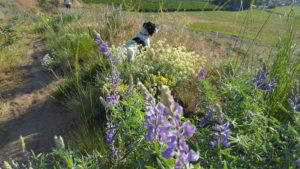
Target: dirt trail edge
{"points": [[29, 111]]}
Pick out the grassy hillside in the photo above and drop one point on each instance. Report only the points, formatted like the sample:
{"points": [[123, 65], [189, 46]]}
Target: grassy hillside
{"points": [[285, 10], [269, 25], [157, 5]]}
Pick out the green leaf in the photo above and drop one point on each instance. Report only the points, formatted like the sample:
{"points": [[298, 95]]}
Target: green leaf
{"points": [[160, 163]]}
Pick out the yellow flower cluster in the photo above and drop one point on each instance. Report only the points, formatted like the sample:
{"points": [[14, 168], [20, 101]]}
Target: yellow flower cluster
{"points": [[123, 87], [164, 80]]}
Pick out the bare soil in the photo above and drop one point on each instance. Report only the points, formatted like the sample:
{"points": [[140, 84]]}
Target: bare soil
{"points": [[29, 110]]}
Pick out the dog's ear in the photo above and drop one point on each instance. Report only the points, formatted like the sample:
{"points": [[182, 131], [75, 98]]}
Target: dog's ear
{"points": [[145, 23]]}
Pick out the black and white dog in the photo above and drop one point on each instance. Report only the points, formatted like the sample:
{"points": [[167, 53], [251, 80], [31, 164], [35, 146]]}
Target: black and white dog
{"points": [[131, 48]]}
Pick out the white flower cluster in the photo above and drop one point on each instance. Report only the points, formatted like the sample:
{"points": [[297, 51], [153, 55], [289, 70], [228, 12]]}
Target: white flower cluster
{"points": [[47, 62], [184, 63]]}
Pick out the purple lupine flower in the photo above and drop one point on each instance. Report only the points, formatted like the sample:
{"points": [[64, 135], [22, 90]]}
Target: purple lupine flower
{"points": [[110, 55], [294, 104], [221, 135], [104, 47], [261, 80], [111, 100], [207, 116], [109, 133], [297, 107], [298, 161], [201, 74], [206, 119], [115, 75], [168, 153], [98, 41], [163, 122], [193, 156]]}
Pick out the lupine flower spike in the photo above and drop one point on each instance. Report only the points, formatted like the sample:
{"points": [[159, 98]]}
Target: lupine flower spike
{"points": [[113, 96], [221, 135], [222, 132], [261, 80], [207, 115], [163, 122], [109, 133]]}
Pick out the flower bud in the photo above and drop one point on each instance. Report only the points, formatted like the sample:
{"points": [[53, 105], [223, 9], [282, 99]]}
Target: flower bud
{"points": [[59, 142], [22, 142], [166, 96]]}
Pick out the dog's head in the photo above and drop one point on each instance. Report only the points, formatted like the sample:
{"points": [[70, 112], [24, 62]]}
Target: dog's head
{"points": [[150, 27]]}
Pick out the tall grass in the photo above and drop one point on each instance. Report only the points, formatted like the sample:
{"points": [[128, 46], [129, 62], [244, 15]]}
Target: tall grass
{"points": [[286, 68]]}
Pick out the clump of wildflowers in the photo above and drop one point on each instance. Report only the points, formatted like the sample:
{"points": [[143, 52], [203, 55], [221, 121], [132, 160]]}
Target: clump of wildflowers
{"points": [[47, 62], [184, 63], [164, 123], [263, 81], [298, 161]]}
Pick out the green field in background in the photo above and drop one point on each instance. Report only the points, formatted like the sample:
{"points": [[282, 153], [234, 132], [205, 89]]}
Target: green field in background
{"points": [[167, 5], [247, 23]]}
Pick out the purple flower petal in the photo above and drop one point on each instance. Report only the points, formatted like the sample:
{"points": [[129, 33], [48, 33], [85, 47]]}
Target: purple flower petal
{"points": [[104, 47], [193, 156], [297, 107], [291, 102], [201, 74], [188, 129], [183, 146], [183, 158], [168, 153], [109, 55]]}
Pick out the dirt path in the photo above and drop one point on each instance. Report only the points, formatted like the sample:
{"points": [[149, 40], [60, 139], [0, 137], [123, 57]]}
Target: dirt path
{"points": [[29, 111]]}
